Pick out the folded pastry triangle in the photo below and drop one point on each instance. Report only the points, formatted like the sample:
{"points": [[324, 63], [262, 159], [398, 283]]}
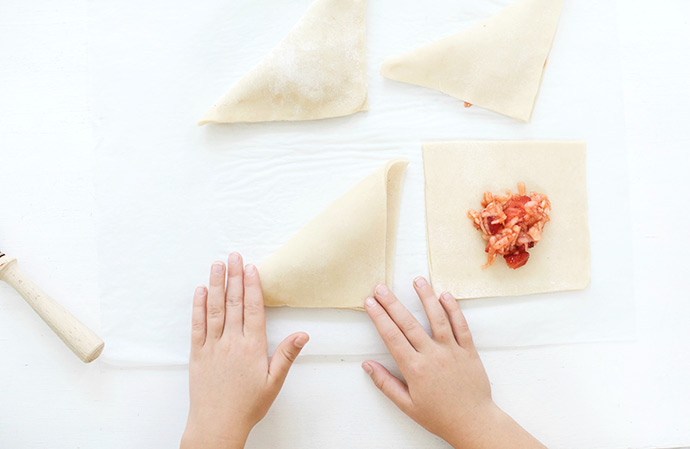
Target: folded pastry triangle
{"points": [[497, 64], [317, 71], [337, 259]]}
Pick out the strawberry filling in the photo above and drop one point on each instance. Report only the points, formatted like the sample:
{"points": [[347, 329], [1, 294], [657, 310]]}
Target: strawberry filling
{"points": [[516, 260], [511, 224]]}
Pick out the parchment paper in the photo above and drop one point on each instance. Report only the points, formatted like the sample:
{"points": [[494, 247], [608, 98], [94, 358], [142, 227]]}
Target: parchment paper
{"points": [[173, 197]]}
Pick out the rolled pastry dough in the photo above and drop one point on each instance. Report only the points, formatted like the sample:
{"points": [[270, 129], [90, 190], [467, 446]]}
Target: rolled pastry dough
{"points": [[337, 259], [456, 176], [496, 64], [317, 71]]}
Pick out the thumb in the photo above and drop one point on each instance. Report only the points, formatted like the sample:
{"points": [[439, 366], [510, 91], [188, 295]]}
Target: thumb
{"points": [[389, 385], [286, 353]]}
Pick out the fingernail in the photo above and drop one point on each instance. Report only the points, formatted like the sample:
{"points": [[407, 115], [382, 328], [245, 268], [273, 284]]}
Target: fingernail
{"points": [[234, 258], [200, 291], [217, 268], [250, 270], [420, 282], [366, 367], [370, 302], [381, 289], [301, 340], [447, 297]]}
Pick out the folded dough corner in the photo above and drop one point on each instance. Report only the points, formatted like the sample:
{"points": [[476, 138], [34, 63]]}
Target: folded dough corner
{"points": [[337, 259], [317, 71], [497, 64]]}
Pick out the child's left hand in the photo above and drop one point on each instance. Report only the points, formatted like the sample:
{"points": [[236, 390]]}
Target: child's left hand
{"points": [[232, 384]]}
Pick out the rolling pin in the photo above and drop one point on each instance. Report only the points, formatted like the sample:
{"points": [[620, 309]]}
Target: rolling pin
{"points": [[80, 339]]}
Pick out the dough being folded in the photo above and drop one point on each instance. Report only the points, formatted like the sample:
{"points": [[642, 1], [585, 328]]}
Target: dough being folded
{"points": [[456, 177], [337, 259], [496, 64], [317, 71]]}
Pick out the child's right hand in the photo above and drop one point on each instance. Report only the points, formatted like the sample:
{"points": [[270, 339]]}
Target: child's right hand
{"points": [[447, 391]]}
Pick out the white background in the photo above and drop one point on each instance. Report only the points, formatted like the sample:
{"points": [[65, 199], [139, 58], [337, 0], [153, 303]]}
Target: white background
{"points": [[589, 395], [172, 196]]}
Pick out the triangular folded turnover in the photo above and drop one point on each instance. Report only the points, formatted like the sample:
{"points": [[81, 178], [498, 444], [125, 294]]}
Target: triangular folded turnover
{"points": [[497, 64], [337, 259], [317, 71]]}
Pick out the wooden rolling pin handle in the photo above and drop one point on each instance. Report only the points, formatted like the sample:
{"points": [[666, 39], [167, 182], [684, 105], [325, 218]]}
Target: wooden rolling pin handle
{"points": [[80, 339]]}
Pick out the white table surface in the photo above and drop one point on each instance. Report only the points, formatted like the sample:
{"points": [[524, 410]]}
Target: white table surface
{"points": [[615, 395]]}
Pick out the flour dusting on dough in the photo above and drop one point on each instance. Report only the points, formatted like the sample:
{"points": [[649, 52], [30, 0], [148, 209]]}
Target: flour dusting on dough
{"points": [[317, 71]]}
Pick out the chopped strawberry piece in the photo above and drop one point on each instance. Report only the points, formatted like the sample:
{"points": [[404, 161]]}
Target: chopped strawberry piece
{"points": [[515, 207], [516, 260], [491, 226]]}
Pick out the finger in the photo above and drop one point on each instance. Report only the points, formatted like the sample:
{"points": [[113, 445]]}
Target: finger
{"points": [[413, 331], [399, 347], [457, 321], [286, 353], [199, 318], [440, 326], [215, 304], [389, 385], [234, 296], [254, 318]]}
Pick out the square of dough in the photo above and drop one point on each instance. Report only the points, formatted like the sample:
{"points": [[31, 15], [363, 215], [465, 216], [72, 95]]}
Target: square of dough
{"points": [[456, 176]]}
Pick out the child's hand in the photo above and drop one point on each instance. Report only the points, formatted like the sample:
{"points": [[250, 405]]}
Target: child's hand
{"points": [[232, 384], [447, 389]]}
